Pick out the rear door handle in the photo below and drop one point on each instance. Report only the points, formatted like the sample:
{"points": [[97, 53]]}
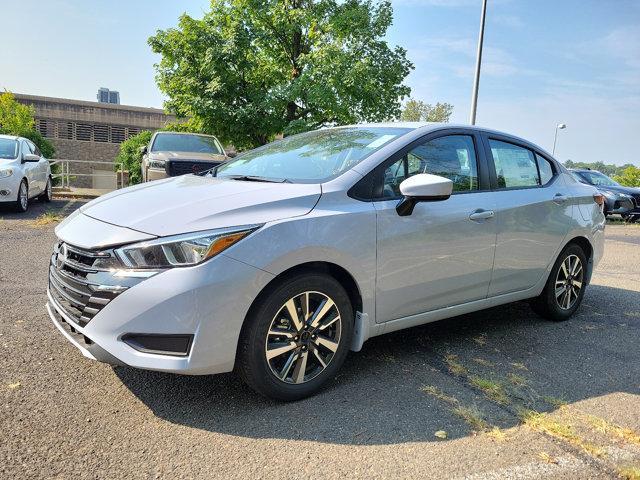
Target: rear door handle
{"points": [[559, 198], [481, 215]]}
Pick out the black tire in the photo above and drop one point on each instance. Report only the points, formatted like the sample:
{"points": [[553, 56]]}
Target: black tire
{"points": [[47, 195], [252, 363], [20, 205], [547, 304]]}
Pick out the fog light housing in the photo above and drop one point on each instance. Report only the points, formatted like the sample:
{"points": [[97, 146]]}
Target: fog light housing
{"points": [[159, 344]]}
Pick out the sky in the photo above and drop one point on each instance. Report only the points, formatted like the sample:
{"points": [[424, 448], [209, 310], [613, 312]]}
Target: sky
{"points": [[545, 62]]}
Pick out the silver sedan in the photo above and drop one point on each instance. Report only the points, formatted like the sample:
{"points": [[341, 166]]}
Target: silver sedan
{"points": [[280, 261]]}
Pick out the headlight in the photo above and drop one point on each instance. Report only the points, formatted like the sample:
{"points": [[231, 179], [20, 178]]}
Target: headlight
{"points": [[182, 250], [7, 172], [156, 163]]}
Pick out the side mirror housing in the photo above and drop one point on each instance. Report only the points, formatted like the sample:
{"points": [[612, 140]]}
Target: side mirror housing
{"points": [[143, 150], [30, 157], [423, 187]]}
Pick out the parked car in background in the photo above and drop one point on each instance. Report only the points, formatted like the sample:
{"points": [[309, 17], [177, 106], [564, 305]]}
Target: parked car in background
{"points": [[170, 154], [618, 199], [279, 262], [24, 173]]}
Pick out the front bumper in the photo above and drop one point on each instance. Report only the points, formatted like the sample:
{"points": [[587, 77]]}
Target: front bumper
{"points": [[9, 188], [208, 302]]}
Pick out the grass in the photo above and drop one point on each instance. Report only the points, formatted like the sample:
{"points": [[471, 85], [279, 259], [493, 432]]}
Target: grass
{"points": [[519, 366], [541, 422], [454, 365], [47, 218], [517, 380], [629, 473], [472, 416], [481, 339], [607, 428], [439, 394], [497, 434], [483, 362], [554, 401], [492, 389]]}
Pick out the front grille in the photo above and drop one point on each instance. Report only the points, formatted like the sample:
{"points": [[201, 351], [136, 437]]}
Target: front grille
{"points": [[71, 282], [183, 167]]}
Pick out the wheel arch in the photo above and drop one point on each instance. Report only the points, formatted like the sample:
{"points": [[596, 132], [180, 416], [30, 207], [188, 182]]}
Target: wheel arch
{"points": [[587, 248]]}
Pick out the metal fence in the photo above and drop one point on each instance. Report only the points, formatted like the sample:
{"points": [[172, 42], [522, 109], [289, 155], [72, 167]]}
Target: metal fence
{"points": [[66, 174]]}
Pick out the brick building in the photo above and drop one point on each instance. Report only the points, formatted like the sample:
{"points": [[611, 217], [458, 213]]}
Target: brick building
{"points": [[91, 131]]}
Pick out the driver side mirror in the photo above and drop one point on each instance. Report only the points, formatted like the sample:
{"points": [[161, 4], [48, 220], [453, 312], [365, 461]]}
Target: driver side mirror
{"points": [[30, 157], [143, 150], [422, 187]]}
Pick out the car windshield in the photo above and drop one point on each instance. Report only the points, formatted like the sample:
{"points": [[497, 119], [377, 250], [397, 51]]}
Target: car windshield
{"points": [[598, 179], [175, 142], [8, 148], [312, 157]]}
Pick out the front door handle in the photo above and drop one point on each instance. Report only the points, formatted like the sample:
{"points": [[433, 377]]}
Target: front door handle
{"points": [[481, 215], [559, 198]]}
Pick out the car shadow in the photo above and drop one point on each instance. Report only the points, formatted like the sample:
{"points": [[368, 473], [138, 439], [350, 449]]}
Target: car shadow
{"points": [[400, 387]]}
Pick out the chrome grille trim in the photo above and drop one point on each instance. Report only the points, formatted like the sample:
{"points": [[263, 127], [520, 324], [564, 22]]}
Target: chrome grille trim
{"points": [[73, 288]]}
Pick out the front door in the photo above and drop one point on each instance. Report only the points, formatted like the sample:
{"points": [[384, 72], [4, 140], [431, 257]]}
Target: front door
{"points": [[442, 254]]}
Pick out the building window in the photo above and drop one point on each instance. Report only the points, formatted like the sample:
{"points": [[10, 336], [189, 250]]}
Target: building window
{"points": [[65, 130], [83, 132], [118, 134], [100, 133]]}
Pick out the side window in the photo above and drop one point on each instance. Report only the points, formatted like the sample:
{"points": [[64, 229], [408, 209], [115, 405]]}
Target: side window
{"points": [[545, 168], [453, 157], [515, 166], [34, 149], [26, 148]]}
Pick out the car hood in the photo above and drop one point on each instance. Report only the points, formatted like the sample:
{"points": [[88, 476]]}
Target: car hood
{"points": [[621, 189], [192, 156], [192, 203]]}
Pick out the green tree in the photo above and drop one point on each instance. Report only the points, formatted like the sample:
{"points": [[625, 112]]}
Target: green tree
{"points": [[17, 119], [251, 69], [630, 177], [131, 157], [419, 111]]}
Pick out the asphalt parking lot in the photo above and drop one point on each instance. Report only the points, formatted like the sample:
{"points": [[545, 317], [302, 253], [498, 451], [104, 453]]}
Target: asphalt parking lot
{"points": [[496, 394]]}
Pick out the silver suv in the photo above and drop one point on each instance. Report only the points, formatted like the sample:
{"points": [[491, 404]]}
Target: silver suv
{"points": [[284, 259]]}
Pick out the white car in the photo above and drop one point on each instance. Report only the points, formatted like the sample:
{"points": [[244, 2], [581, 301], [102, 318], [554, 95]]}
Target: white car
{"points": [[24, 173]]}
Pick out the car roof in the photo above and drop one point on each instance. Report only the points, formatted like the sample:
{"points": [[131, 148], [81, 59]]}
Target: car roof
{"points": [[426, 127], [10, 137]]}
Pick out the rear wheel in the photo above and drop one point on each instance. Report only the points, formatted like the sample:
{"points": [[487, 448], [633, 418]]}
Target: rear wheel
{"points": [[296, 337], [565, 287], [47, 195], [22, 202]]}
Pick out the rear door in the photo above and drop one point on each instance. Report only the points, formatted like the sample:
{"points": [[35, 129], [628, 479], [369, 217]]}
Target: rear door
{"points": [[533, 213], [30, 170], [42, 168]]}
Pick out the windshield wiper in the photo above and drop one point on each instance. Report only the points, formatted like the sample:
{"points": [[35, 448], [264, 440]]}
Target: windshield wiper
{"points": [[255, 178]]}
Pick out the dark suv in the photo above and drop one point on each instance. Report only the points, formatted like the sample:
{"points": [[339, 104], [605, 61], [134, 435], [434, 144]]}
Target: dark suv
{"points": [[618, 199]]}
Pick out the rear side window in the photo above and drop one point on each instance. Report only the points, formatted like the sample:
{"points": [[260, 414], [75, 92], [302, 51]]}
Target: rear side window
{"points": [[545, 168], [515, 166], [452, 157]]}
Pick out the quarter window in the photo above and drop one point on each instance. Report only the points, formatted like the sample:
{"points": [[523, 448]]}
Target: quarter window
{"points": [[452, 157], [545, 168], [515, 166]]}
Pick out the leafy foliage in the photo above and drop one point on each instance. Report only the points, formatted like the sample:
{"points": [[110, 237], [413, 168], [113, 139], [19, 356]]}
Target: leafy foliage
{"points": [[419, 111], [252, 69], [17, 119], [608, 169], [131, 157], [629, 177]]}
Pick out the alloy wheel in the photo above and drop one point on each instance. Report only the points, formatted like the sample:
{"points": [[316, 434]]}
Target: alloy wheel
{"points": [[303, 337], [24, 196], [569, 281], [49, 189]]}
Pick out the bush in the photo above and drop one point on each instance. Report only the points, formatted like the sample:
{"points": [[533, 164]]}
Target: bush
{"points": [[130, 156], [629, 177]]}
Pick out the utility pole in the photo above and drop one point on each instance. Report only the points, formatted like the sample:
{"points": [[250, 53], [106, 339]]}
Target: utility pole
{"points": [[476, 80]]}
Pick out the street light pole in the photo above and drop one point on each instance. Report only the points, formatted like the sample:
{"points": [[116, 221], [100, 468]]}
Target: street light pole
{"points": [[560, 126], [476, 80]]}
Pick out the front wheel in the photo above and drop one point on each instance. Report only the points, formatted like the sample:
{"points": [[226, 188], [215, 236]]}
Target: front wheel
{"points": [[296, 337], [22, 202], [565, 287]]}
